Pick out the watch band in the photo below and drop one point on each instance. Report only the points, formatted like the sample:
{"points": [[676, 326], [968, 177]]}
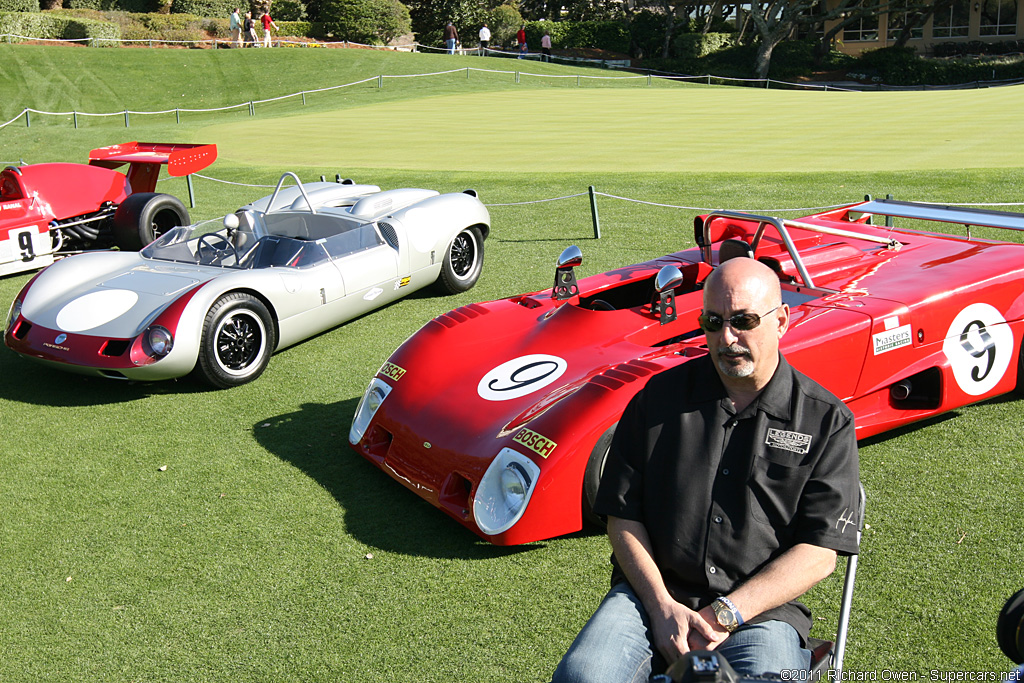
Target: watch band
{"points": [[727, 614]]}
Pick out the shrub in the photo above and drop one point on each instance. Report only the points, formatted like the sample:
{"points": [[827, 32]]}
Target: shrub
{"points": [[59, 27], [364, 21], [19, 5], [304, 29], [206, 8], [504, 21], [288, 10], [699, 45], [115, 5], [606, 35], [792, 58]]}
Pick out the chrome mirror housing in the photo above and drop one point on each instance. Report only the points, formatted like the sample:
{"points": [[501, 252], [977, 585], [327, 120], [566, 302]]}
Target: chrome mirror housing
{"points": [[565, 277], [669, 277], [570, 257]]}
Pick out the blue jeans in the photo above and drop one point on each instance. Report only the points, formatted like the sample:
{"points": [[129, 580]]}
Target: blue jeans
{"points": [[615, 646], [450, 44]]}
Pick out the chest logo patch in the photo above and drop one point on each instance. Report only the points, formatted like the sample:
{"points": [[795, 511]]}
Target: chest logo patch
{"points": [[794, 442]]}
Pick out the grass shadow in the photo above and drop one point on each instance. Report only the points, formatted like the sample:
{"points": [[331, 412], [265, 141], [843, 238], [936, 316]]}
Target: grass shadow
{"points": [[378, 510]]}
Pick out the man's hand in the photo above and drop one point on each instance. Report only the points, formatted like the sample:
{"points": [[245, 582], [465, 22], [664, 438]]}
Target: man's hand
{"points": [[678, 630]]}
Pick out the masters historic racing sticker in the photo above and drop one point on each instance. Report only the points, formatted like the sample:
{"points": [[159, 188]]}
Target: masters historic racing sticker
{"points": [[979, 346], [520, 376], [895, 336]]}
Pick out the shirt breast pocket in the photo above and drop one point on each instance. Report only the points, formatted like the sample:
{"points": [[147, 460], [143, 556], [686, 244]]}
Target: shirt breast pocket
{"points": [[777, 478]]}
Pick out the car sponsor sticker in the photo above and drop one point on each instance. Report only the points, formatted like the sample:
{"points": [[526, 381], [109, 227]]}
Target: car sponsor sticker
{"points": [[520, 376], [979, 346], [541, 445], [391, 371], [894, 337], [403, 282], [373, 294], [795, 442]]}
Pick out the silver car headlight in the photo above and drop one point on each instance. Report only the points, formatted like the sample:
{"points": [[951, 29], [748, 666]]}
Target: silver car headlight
{"points": [[157, 341], [367, 408], [13, 314], [504, 491]]}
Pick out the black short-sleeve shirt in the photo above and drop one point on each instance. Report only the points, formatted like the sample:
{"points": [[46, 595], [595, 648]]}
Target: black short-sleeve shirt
{"points": [[722, 493]]}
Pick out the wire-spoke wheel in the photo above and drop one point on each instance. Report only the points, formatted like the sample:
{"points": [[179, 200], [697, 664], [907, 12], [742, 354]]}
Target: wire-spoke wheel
{"points": [[463, 261]]}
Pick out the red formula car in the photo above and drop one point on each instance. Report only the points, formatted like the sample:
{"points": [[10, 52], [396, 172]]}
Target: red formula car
{"points": [[47, 209], [501, 413]]}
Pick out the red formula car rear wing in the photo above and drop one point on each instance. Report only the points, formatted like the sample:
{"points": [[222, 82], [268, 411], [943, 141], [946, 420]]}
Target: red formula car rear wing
{"points": [[145, 159]]}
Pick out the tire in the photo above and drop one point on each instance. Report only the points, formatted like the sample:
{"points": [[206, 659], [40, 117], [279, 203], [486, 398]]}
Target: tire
{"points": [[143, 217], [238, 339], [463, 262], [592, 475]]}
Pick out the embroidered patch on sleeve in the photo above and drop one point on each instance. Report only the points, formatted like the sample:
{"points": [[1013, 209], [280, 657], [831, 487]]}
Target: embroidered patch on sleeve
{"points": [[789, 441]]}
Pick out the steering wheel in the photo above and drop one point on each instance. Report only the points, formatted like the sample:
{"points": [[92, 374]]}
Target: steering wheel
{"points": [[214, 249]]}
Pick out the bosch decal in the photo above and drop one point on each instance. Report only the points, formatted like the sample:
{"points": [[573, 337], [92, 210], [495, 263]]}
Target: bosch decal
{"points": [[391, 371], [979, 346], [541, 445], [520, 376]]}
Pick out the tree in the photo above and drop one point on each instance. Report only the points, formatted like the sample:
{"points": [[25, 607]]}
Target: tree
{"points": [[430, 16], [365, 21]]}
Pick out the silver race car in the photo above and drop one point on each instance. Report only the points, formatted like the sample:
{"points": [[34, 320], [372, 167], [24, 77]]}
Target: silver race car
{"points": [[219, 297]]}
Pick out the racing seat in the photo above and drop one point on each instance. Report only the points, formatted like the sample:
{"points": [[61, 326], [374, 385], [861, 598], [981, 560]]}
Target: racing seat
{"points": [[733, 248], [827, 654]]}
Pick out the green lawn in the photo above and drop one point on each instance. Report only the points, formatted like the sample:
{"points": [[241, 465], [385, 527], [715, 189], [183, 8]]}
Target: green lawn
{"points": [[268, 551]]}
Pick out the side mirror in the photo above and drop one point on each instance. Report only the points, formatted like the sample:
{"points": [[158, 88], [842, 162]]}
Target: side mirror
{"points": [[231, 221], [669, 277], [566, 286]]}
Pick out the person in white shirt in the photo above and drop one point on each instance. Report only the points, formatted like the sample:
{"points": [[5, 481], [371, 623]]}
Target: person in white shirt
{"points": [[485, 38]]}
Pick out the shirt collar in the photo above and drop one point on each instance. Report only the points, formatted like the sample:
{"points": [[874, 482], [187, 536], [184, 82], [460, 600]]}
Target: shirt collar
{"points": [[774, 399]]}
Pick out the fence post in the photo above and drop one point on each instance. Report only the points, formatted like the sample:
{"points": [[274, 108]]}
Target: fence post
{"points": [[888, 219], [191, 192], [517, 77], [593, 213], [126, 125], [75, 116], [467, 73], [28, 121], [303, 98], [177, 114], [252, 109], [380, 81]]}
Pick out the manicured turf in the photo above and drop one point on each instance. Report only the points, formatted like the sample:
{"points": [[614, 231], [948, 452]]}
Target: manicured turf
{"points": [[692, 128], [268, 551]]}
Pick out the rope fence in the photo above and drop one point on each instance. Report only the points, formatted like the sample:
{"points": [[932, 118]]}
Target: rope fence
{"points": [[579, 79]]}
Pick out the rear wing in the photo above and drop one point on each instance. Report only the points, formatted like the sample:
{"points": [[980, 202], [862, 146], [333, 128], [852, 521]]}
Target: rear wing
{"points": [[146, 158], [837, 220]]}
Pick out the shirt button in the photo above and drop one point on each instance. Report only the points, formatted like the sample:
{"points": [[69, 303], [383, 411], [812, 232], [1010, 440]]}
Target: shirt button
{"points": [[718, 519], [712, 570], [725, 471]]}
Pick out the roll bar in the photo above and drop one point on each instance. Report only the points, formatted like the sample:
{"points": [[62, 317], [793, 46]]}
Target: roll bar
{"points": [[270, 205]]}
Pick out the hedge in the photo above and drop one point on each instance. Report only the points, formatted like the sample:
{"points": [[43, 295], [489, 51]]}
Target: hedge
{"points": [[19, 5], [697, 45], [55, 26], [135, 6], [208, 8], [606, 35]]}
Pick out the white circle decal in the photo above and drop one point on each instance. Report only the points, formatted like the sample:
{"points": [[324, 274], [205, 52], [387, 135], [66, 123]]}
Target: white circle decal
{"points": [[520, 376], [95, 309], [979, 346]]}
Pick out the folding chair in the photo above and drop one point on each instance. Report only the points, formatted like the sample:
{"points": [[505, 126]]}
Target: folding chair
{"points": [[826, 654]]}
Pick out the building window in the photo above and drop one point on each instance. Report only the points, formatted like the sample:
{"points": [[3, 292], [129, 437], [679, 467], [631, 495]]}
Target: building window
{"points": [[865, 28], [899, 18], [998, 17], [953, 21]]}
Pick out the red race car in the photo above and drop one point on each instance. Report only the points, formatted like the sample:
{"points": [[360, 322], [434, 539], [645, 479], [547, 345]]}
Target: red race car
{"points": [[49, 209], [500, 413]]}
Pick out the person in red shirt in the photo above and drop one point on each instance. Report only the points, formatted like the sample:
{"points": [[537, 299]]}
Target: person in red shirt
{"points": [[268, 23], [521, 39]]}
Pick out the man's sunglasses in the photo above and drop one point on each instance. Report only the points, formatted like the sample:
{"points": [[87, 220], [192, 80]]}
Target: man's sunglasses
{"points": [[742, 322]]}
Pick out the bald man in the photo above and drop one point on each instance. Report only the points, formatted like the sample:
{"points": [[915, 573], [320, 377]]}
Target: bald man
{"points": [[730, 488]]}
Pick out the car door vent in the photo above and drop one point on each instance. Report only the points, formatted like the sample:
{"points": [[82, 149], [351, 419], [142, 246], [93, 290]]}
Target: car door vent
{"points": [[389, 233]]}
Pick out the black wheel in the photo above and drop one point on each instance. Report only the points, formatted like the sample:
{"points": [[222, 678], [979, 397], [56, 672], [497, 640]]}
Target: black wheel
{"points": [[214, 249], [1009, 633], [592, 475], [238, 338], [463, 262], [143, 217]]}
